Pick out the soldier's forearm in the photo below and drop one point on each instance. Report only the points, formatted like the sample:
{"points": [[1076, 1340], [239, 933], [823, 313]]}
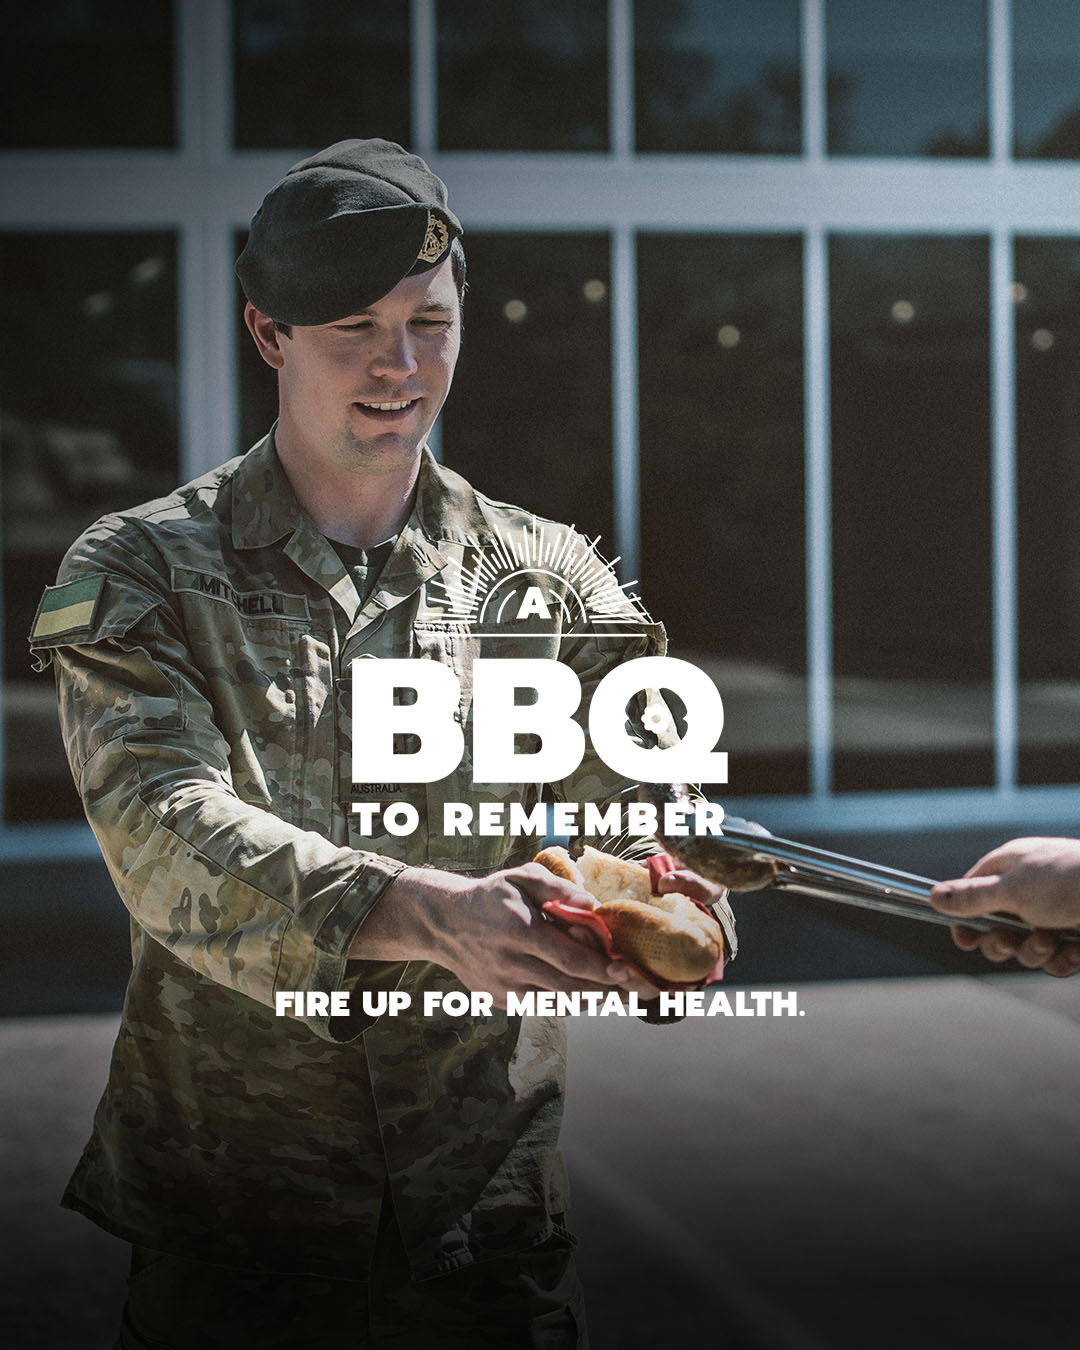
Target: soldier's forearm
{"points": [[410, 920], [490, 932]]}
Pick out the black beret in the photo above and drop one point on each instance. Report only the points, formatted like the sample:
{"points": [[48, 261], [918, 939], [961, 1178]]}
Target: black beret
{"points": [[341, 229]]}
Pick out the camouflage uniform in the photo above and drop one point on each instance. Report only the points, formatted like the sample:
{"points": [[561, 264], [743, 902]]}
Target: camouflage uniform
{"points": [[201, 645]]}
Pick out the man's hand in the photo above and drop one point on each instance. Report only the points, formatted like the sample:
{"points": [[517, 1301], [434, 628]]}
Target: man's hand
{"points": [[491, 932], [1038, 880]]}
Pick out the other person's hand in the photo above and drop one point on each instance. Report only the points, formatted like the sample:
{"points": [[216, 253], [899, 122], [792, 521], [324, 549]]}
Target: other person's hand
{"points": [[1036, 879]]}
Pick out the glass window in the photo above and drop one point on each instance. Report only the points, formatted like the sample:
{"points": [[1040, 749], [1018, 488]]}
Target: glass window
{"points": [[311, 72], [1046, 79], [718, 77], [523, 75], [88, 383], [907, 79], [258, 382], [1047, 308], [72, 74], [911, 511], [529, 417], [722, 499]]}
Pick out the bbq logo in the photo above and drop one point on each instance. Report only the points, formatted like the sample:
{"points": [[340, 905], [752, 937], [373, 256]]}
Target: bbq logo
{"points": [[520, 585], [534, 581], [539, 573]]}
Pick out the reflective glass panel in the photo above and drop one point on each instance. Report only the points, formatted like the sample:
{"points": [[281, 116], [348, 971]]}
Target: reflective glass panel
{"points": [[907, 79], [96, 73], [258, 383], [722, 501], [911, 511], [88, 387], [523, 75], [1046, 79], [529, 417], [1047, 307], [311, 72], [718, 77]]}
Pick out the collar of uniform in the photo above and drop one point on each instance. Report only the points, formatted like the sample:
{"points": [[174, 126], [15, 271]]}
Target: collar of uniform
{"points": [[265, 510], [415, 560], [445, 511], [446, 506], [264, 506]]}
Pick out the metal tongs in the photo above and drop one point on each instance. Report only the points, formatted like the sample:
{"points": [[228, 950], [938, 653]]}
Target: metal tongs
{"points": [[821, 875]]}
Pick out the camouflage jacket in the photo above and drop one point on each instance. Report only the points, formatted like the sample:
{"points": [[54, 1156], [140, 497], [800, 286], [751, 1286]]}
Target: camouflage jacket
{"points": [[201, 645]]}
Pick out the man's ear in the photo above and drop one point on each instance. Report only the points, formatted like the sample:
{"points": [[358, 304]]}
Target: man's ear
{"points": [[267, 338]]}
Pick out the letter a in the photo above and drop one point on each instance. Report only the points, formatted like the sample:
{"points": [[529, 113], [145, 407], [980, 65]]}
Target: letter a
{"points": [[533, 603]]}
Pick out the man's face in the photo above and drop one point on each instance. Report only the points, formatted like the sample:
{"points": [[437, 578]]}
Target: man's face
{"points": [[364, 392]]}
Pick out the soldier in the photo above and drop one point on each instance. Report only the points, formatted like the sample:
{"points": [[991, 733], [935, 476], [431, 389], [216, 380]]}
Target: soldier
{"points": [[310, 1179]]}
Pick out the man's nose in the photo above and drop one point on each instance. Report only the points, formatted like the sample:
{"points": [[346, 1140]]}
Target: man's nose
{"points": [[394, 356]]}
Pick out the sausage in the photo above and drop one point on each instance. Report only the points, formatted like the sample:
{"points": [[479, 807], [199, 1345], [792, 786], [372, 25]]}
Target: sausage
{"points": [[726, 864], [667, 936]]}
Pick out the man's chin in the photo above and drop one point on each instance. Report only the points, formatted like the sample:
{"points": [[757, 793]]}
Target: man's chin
{"points": [[384, 454]]}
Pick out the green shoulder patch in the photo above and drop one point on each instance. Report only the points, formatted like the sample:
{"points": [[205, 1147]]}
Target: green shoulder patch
{"points": [[68, 608]]}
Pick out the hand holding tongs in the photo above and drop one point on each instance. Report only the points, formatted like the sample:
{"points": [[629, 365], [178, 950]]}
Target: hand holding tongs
{"points": [[747, 857], [821, 875]]}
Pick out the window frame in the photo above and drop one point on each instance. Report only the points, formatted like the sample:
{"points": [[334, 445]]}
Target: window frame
{"points": [[206, 190]]}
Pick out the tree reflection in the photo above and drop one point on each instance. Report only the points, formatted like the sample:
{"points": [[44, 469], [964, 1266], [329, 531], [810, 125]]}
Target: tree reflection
{"points": [[315, 72], [715, 87], [1062, 141], [721, 436], [529, 418], [90, 425], [523, 75]]}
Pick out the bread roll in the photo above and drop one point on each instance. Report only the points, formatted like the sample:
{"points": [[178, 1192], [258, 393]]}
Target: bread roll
{"points": [[610, 878], [557, 860], [668, 936], [674, 947]]}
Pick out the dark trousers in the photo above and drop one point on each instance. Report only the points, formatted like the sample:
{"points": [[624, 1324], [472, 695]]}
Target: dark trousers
{"points": [[530, 1300]]}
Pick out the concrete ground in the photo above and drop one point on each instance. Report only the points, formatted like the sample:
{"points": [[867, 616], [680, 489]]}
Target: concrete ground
{"points": [[896, 1167]]}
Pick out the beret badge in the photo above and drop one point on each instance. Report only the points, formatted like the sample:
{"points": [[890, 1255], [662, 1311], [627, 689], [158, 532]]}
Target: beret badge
{"points": [[436, 241]]}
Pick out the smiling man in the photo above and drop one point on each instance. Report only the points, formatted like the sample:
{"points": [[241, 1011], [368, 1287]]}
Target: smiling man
{"points": [[357, 399], [288, 1175]]}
